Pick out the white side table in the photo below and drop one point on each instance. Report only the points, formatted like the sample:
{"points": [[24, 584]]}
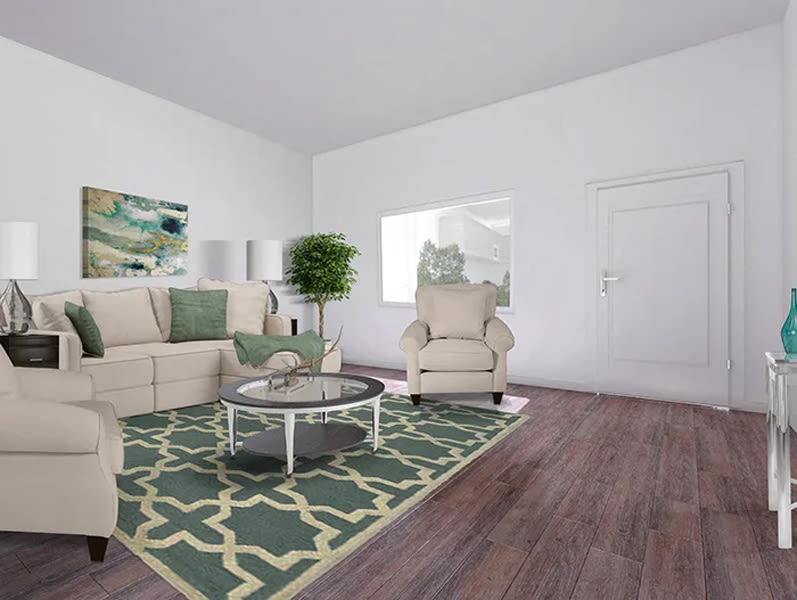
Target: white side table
{"points": [[779, 367]]}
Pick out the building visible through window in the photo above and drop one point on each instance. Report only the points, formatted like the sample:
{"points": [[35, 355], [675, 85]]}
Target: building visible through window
{"points": [[465, 242]]}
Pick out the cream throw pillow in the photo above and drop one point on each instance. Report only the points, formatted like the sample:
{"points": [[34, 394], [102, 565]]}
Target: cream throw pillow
{"points": [[457, 314], [162, 305], [124, 317], [246, 304], [48, 311]]}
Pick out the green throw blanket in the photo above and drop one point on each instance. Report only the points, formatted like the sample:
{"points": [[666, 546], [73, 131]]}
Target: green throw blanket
{"points": [[257, 349]]}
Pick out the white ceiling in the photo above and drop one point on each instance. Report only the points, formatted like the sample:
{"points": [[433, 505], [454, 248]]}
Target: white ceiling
{"points": [[320, 74]]}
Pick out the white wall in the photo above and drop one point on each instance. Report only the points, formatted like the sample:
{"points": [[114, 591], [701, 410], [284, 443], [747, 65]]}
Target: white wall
{"points": [[790, 150], [715, 103], [63, 127]]}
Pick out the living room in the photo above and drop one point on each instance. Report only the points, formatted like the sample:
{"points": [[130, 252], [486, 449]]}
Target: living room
{"points": [[556, 254]]}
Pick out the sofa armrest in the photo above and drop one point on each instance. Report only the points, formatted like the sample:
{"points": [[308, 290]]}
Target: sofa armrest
{"points": [[54, 385], [415, 337], [30, 426], [277, 325], [498, 336]]}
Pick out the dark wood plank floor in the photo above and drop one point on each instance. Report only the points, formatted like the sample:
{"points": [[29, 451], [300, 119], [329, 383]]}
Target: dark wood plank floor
{"points": [[593, 497]]}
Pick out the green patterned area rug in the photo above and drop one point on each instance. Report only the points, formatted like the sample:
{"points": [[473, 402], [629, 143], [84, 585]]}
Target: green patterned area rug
{"points": [[215, 527]]}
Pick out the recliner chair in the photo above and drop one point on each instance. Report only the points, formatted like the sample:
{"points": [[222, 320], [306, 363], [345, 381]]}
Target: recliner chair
{"points": [[457, 344], [59, 452]]}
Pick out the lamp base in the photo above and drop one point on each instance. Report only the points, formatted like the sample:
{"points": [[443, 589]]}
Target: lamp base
{"points": [[15, 310], [273, 303]]}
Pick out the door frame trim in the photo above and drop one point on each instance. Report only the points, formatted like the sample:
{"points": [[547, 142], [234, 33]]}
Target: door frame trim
{"points": [[736, 260]]}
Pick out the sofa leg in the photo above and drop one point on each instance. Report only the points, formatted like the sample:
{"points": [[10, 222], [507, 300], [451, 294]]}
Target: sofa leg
{"points": [[97, 547], [497, 397], [416, 399]]}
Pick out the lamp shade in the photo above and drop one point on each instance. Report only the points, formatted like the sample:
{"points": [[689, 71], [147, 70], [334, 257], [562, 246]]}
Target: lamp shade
{"points": [[264, 260], [19, 250]]}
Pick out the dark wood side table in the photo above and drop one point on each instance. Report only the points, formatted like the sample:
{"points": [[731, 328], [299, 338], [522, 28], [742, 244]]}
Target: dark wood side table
{"points": [[294, 326], [31, 350]]}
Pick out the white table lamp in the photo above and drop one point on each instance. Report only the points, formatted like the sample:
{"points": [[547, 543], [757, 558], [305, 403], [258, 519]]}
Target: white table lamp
{"points": [[264, 263], [19, 259]]}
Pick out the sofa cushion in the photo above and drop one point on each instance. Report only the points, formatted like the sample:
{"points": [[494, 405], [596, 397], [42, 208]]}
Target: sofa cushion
{"points": [[48, 311], [90, 336], [455, 355], [119, 369], [246, 304], [198, 315], [113, 435], [124, 317], [9, 388], [162, 307], [178, 362]]}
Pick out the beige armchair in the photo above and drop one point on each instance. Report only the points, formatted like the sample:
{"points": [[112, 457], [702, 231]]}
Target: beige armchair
{"points": [[59, 452], [457, 344]]}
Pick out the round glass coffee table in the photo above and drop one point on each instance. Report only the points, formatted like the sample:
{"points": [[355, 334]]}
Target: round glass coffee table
{"points": [[312, 393]]}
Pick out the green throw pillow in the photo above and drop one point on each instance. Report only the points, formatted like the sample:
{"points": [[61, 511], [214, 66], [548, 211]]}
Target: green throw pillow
{"points": [[86, 328], [198, 315]]}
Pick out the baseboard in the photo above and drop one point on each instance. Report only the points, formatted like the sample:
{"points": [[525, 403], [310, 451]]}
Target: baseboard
{"points": [[557, 384]]}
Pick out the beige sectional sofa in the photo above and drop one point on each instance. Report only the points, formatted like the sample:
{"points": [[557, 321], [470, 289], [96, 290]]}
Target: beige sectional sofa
{"points": [[142, 371]]}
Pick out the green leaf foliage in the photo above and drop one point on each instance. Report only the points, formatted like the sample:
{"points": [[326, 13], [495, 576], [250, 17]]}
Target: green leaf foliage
{"points": [[321, 267], [437, 266]]}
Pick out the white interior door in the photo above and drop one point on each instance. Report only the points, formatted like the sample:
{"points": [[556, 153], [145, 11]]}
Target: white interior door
{"points": [[662, 289]]}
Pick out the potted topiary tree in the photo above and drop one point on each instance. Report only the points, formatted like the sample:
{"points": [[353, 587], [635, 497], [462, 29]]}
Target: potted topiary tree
{"points": [[321, 270]]}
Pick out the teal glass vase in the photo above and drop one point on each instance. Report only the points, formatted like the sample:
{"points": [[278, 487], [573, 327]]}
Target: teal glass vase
{"points": [[788, 333]]}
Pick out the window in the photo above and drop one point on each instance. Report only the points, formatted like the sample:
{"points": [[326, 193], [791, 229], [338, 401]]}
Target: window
{"points": [[468, 241]]}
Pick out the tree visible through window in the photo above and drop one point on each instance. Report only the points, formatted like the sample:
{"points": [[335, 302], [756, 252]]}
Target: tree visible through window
{"points": [[467, 242]]}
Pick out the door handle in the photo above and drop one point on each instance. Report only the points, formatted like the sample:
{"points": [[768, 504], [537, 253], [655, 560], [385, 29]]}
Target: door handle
{"points": [[604, 278]]}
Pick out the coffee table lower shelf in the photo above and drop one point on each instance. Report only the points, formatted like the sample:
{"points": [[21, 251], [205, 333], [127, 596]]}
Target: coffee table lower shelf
{"points": [[310, 439]]}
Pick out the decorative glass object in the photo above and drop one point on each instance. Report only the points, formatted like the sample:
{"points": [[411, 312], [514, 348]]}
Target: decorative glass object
{"points": [[788, 333], [15, 310]]}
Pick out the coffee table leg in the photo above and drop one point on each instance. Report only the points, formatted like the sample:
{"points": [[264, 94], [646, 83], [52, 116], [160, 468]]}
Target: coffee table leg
{"points": [[375, 422], [324, 418], [232, 428], [290, 423]]}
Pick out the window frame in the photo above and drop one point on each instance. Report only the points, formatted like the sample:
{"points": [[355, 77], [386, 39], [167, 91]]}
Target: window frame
{"points": [[508, 194]]}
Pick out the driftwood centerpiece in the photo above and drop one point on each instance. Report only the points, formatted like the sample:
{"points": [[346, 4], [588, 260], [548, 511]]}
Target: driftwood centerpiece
{"points": [[290, 372]]}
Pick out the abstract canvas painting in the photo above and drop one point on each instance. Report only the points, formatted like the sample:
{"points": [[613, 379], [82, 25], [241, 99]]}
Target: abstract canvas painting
{"points": [[131, 236]]}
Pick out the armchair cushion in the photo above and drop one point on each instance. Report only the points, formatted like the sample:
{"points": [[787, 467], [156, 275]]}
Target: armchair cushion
{"points": [[456, 355], [414, 337], [53, 385], [456, 311], [28, 426], [498, 336]]}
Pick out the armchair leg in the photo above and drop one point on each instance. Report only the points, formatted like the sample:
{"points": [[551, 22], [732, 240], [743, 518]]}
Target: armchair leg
{"points": [[97, 547], [497, 397], [416, 399]]}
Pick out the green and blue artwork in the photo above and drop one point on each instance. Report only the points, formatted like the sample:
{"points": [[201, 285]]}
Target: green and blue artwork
{"points": [[131, 236]]}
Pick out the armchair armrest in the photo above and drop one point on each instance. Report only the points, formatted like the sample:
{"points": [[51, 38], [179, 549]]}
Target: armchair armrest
{"points": [[54, 385], [498, 336], [415, 337], [29, 426], [277, 325]]}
